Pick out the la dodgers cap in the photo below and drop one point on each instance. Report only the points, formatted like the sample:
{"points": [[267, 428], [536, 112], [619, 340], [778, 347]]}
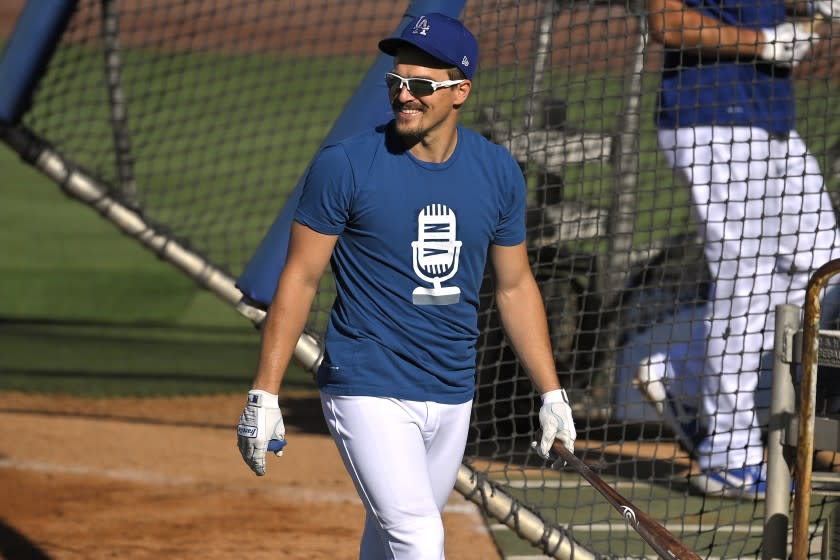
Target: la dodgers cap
{"points": [[442, 37]]}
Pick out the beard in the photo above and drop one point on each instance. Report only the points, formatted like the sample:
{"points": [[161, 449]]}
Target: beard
{"points": [[413, 129]]}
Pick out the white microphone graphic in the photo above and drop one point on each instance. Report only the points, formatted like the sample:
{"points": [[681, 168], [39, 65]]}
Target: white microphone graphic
{"points": [[436, 254]]}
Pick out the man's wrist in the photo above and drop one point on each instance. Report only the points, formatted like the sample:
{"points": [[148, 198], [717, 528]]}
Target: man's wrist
{"points": [[556, 395], [264, 399]]}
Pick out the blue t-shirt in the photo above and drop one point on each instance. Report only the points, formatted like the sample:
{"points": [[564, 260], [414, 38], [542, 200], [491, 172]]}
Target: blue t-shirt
{"points": [[410, 258], [708, 91]]}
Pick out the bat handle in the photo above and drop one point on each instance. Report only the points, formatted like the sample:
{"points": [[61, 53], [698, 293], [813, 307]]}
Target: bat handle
{"points": [[562, 452], [276, 445]]}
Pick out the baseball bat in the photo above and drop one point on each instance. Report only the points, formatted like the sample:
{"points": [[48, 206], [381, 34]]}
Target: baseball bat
{"points": [[664, 542]]}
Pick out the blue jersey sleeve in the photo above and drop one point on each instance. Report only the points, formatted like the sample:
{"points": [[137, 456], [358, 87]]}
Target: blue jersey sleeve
{"points": [[511, 228], [327, 192]]}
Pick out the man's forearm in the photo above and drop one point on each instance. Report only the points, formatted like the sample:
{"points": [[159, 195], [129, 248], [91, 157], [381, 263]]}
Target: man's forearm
{"points": [[678, 26], [523, 318], [283, 326]]}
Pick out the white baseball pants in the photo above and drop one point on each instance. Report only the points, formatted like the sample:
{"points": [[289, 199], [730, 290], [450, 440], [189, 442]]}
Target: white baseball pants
{"points": [[767, 225], [403, 457]]}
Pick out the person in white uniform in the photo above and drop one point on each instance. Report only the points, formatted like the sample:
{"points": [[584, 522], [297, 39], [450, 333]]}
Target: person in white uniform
{"points": [[407, 214], [725, 123]]}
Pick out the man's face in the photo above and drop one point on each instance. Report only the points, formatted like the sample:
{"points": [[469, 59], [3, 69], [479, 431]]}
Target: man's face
{"points": [[419, 115]]}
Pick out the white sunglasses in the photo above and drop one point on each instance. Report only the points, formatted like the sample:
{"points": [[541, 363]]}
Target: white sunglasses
{"points": [[417, 86]]}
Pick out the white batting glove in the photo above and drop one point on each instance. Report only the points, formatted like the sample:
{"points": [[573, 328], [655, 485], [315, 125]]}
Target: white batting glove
{"points": [[827, 8], [787, 44], [556, 422], [260, 429]]}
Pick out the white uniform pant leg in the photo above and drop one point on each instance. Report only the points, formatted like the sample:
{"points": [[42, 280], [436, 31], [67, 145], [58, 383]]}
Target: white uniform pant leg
{"points": [[809, 236], [736, 203], [403, 457], [779, 227]]}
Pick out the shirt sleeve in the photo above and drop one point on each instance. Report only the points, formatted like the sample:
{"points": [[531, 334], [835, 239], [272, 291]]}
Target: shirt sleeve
{"points": [[511, 228], [327, 192]]}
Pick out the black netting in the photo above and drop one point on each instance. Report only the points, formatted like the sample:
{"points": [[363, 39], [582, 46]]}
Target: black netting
{"points": [[204, 115]]}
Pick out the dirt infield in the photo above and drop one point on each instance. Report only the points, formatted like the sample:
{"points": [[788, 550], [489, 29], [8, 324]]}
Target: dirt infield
{"points": [[162, 478]]}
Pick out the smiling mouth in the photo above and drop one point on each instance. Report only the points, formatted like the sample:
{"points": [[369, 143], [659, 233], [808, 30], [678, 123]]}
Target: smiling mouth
{"points": [[408, 110]]}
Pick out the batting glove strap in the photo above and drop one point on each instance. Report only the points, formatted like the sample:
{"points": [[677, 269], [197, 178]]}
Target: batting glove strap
{"points": [[787, 44], [261, 422], [558, 395], [556, 422], [263, 399]]}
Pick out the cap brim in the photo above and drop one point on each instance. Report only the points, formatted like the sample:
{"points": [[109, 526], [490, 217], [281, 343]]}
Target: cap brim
{"points": [[391, 45]]}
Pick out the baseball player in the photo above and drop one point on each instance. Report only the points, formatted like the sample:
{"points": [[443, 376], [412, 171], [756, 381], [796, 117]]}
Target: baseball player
{"points": [[726, 126], [407, 215]]}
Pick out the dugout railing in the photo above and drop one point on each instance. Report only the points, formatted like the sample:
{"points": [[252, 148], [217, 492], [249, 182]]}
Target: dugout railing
{"points": [[803, 421]]}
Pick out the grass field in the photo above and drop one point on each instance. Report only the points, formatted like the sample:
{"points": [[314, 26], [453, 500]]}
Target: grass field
{"points": [[209, 180], [86, 310]]}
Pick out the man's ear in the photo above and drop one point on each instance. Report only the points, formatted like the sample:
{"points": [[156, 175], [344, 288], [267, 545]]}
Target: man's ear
{"points": [[462, 92]]}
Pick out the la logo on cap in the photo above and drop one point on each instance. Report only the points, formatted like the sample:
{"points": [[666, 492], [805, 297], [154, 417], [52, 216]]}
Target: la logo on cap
{"points": [[422, 26]]}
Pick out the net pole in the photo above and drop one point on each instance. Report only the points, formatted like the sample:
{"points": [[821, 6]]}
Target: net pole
{"points": [[502, 506], [118, 104], [541, 50], [807, 406], [782, 409], [626, 174], [622, 212], [89, 191]]}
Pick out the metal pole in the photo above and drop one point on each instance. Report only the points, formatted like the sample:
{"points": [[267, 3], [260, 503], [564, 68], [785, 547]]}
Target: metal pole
{"points": [[541, 50], [807, 406], [118, 103], [528, 525], [622, 214], [782, 409], [86, 189]]}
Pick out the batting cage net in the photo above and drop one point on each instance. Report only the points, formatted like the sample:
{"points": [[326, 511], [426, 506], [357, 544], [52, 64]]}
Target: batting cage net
{"points": [[195, 120]]}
